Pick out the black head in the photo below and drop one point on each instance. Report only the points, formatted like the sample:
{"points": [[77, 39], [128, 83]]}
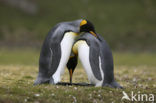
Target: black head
{"points": [[87, 26]]}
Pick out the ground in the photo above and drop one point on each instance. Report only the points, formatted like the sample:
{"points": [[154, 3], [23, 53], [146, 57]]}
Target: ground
{"points": [[18, 70]]}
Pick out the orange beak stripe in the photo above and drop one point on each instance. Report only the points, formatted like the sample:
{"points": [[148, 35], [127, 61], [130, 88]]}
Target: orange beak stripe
{"points": [[71, 72]]}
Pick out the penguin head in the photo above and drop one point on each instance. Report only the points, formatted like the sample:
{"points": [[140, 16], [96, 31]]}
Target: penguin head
{"points": [[87, 26]]}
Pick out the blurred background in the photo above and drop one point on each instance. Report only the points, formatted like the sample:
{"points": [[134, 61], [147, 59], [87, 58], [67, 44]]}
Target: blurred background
{"points": [[127, 25]]}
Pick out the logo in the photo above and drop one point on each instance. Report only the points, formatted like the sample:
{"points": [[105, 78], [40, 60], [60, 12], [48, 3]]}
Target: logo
{"points": [[125, 96], [137, 96]]}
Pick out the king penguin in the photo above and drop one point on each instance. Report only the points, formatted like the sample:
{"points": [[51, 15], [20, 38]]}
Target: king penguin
{"points": [[56, 50], [96, 58], [87, 27]]}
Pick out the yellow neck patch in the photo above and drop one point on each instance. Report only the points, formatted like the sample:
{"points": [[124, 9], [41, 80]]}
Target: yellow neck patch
{"points": [[74, 49], [72, 33], [83, 22], [75, 34], [75, 46]]}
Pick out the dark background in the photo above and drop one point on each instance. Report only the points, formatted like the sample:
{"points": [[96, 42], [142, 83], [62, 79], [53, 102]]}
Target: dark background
{"points": [[127, 25]]}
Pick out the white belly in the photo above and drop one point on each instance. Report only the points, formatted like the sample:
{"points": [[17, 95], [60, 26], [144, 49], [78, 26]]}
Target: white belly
{"points": [[83, 52], [66, 46]]}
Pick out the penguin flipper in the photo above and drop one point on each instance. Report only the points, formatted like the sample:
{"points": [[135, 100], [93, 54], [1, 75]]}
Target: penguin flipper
{"points": [[94, 59], [107, 63], [56, 56]]}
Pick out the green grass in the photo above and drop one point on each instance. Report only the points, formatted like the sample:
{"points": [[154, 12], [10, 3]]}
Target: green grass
{"points": [[18, 70]]}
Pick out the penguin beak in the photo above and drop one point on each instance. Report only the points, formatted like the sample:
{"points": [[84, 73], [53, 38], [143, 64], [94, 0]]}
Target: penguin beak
{"points": [[71, 74], [94, 34]]}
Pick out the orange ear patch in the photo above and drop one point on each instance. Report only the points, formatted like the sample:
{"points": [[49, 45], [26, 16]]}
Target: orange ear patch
{"points": [[83, 22], [93, 33]]}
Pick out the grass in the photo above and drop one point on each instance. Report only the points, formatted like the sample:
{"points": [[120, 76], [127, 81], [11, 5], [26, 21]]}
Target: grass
{"points": [[18, 70]]}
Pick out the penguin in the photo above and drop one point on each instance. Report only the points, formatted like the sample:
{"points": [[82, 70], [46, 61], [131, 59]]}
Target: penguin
{"points": [[96, 58], [85, 26], [56, 50]]}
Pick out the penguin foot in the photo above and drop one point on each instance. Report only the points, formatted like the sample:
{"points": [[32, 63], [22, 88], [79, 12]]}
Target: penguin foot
{"points": [[113, 85], [116, 85], [41, 81]]}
